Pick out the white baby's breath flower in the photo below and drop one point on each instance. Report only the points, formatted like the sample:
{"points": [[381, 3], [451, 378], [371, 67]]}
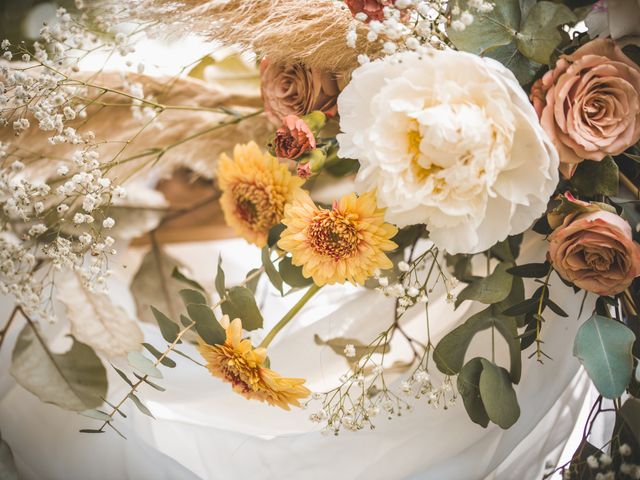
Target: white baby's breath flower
{"points": [[349, 350], [464, 154]]}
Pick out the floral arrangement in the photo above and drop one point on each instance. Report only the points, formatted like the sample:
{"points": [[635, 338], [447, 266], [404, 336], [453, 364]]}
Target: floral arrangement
{"points": [[451, 130]]}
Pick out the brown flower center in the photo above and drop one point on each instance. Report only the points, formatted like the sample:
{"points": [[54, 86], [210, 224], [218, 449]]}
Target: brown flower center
{"points": [[333, 234], [256, 206], [599, 260]]}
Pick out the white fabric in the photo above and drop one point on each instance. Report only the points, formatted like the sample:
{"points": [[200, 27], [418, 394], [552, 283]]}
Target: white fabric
{"points": [[204, 430]]}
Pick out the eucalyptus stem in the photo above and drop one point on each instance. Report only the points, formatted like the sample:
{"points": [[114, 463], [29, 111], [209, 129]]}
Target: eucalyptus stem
{"points": [[313, 289], [167, 351]]}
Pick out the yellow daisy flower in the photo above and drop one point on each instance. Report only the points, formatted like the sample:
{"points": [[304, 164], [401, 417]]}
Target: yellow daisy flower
{"points": [[237, 362], [255, 188], [345, 243]]}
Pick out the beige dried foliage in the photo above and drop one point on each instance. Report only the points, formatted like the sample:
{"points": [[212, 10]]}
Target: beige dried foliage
{"points": [[287, 31], [116, 125]]}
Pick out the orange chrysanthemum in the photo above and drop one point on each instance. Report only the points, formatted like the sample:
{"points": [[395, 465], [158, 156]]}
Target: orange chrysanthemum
{"points": [[255, 189], [237, 362], [346, 243]]}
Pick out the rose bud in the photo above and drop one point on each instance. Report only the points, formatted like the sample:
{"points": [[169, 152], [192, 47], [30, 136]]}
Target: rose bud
{"points": [[293, 139]]}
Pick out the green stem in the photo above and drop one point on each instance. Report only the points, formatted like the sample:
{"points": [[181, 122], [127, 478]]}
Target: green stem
{"points": [[313, 289]]}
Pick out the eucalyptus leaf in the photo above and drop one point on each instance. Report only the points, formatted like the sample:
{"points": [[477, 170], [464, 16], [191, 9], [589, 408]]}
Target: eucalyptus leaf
{"points": [[450, 352], [123, 375], [182, 354], [530, 305], [141, 363], [274, 234], [530, 270], [469, 389], [540, 35], [150, 383], [207, 324], [451, 349], [220, 279], [168, 328], [96, 414], [491, 289], [166, 361], [488, 30], [8, 469], [241, 304], [603, 346], [141, 406], [270, 270], [255, 278], [521, 35], [498, 396], [74, 380], [524, 69], [509, 331], [596, 178], [192, 296], [292, 274], [181, 277]]}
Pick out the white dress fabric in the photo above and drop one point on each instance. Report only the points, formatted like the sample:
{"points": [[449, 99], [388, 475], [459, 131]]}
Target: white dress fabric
{"points": [[205, 431]]}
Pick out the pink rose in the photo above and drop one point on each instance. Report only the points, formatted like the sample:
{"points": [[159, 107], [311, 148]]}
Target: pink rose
{"points": [[294, 138], [595, 251], [296, 90], [373, 9], [589, 104]]}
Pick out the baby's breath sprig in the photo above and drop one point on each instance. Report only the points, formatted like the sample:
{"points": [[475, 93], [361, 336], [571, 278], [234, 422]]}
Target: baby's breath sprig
{"points": [[413, 25], [50, 222], [364, 391]]}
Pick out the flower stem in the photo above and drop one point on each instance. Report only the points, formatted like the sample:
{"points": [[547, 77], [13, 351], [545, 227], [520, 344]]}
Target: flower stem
{"points": [[313, 289]]}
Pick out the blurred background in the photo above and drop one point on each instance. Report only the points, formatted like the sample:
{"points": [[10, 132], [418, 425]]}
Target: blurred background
{"points": [[22, 19]]}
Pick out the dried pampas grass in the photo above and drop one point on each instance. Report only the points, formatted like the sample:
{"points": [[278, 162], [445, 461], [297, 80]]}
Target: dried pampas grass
{"points": [[116, 124], [312, 32]]}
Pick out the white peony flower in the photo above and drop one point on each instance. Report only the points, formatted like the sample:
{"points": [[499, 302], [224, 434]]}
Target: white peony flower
{"points": [[450, 140]]}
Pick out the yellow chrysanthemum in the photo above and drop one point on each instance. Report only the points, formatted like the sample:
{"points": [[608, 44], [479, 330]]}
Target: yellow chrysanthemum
{"points": [[237, 362], [346, 243], [255, 189]]}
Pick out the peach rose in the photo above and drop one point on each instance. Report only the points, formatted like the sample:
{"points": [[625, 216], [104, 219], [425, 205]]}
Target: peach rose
{"points": [[595, 251], [296, 90], [589, 104], [373, 9], [293, 139]]}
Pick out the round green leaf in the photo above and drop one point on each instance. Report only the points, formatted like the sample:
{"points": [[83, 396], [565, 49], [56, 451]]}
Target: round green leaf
{"points": [[469, 389], [498, 396], [603, 346]]}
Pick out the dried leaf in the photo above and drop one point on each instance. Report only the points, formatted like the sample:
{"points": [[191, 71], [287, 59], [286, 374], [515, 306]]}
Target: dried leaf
{"points": [[96, 321], [75, 380], [154, 284]]}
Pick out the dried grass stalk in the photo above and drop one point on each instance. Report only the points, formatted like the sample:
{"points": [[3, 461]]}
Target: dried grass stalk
{"points": [[309, 31], [116, 124]]}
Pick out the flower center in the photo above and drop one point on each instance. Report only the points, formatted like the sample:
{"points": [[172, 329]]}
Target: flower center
{"points": [[599, 261], [236, 370], [333, 234], [256, 206], [421, 173]]}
